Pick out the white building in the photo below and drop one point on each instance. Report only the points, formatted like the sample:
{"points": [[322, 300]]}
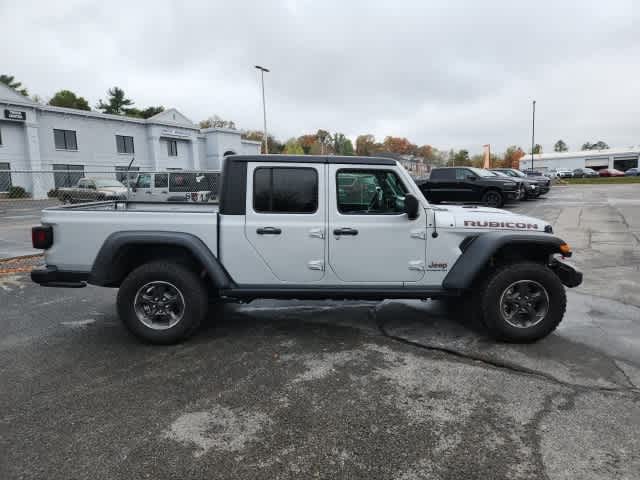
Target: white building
{"points": [[621, 159], [53, 139]]}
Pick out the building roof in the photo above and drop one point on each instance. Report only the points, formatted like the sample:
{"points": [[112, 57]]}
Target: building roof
{"points": [[583, 153]]}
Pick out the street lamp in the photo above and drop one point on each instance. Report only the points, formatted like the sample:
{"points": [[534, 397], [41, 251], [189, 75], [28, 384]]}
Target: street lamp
{"points": [[533, 132], [264, 109]]}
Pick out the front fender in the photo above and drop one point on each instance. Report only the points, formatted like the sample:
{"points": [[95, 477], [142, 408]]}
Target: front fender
{"points": [[479, 250]]}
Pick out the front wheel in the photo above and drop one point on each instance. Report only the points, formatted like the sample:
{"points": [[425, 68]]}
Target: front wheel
{"points": [[523, 302], [162, 302], [493, 199]]}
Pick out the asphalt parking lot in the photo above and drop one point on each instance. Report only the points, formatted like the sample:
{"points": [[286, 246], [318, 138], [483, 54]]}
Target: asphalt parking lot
{"points": [[336, 389]]}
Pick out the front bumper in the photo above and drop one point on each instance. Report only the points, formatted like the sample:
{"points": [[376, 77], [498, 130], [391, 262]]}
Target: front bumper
{"points": [[50, 276], [569, 275]]}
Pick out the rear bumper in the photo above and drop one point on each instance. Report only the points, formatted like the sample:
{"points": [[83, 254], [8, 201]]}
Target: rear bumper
{"points": [[50, 276], [567, 273]]}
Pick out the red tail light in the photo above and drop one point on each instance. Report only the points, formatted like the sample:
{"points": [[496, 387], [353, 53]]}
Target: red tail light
{"points": [[42, 237]]}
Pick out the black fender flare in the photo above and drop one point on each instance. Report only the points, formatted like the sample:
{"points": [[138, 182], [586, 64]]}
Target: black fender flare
{"points": [[480, 249], [104, 265]]}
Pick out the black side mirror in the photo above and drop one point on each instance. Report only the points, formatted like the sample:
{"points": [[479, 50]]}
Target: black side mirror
{"points": [[471, 177], [411, 206]]}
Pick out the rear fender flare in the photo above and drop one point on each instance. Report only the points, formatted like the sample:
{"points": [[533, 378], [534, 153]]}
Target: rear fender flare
{"points": [[104, 266]]}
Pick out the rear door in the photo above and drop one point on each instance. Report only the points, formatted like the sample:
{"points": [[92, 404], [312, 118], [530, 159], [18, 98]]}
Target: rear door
{"points": [[371, 240], [286, 219]]}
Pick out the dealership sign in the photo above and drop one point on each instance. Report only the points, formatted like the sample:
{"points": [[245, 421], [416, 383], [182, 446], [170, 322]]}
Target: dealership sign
{"points": [[174, 133], [15, 115]]}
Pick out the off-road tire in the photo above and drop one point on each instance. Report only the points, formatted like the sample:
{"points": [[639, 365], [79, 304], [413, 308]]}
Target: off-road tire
{"points": [[499, 281], [185, 280], [493, 198]]}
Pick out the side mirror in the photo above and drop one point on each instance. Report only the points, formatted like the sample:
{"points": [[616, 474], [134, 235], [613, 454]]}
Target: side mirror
{"points": [[411, 206], [471, 177]]}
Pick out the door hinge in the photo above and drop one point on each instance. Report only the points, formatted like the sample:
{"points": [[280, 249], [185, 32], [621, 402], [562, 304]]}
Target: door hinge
{"points": [[316, 265], [422, 233], [416, 265], [316, 232]]}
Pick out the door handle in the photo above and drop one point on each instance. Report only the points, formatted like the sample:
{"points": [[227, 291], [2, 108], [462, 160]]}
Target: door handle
{"points": [[268, 231], [345, 231]]}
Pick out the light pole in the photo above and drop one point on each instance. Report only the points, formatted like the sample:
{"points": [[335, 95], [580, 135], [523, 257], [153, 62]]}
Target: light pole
{"points": [[264, 109], [533, 132]]}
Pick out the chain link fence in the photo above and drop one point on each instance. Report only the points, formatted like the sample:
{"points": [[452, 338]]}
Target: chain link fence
{"points": [[24, 193]]}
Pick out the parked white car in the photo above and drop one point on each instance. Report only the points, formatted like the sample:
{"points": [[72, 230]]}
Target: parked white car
{"points": [[175, 186]]}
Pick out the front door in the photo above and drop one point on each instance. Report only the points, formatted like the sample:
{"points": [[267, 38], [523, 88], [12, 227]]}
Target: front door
{"points": [[371, 240], [286, 219]]}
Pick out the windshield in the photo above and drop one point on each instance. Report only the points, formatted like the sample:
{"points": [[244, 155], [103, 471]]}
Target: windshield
{"points": [[517, 173], [499, 174], [102, 183], [480, 172]]}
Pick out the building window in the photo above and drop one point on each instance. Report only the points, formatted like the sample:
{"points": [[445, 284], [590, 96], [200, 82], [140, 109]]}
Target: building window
{"points": [[285, 190], [67, 175], [172, 147], [121, 173], [65, 139], [5, 177], [124, 144]]}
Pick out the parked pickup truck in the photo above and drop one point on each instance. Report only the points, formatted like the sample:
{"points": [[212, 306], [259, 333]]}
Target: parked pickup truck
{"points": [[91, 190], [308, 227], [468, 184]]}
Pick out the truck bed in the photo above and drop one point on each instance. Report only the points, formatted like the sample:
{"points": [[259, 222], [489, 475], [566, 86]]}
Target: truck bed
{"points": [[79, 231]]}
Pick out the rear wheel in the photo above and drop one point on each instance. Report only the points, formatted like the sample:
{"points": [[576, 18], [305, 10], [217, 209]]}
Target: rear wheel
{"points": [[162, 302], [523, 302], [493, 198]]}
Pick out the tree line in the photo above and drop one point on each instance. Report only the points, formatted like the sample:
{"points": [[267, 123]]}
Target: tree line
{"points": [[322, 142]]}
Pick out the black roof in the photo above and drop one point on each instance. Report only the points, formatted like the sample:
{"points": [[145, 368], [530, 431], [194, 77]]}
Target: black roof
{"points": [[312, 159]]}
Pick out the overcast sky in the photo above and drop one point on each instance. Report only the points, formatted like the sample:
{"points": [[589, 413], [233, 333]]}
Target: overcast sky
{"points": [[453, 74]]}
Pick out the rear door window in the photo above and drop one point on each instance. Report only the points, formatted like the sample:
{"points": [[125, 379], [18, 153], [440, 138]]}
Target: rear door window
{"points": [[285, 190]]}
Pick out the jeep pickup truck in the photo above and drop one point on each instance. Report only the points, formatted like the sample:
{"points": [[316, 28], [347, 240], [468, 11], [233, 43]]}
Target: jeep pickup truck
{"points": [[308, 227], [468, 184]]}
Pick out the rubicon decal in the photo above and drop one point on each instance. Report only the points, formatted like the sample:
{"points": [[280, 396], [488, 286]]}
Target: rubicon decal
{"points": [[512, 225]]}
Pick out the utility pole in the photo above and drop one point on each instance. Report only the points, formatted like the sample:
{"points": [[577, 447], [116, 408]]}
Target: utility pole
{"points": [[533, 132], [264, 109]]}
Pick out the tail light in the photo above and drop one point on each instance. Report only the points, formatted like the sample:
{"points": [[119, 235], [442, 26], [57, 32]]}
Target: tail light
{"points": [[42, 237]]}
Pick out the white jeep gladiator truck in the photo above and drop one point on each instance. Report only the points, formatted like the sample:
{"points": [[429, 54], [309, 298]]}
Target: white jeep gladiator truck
{"points": [[308, 227]]}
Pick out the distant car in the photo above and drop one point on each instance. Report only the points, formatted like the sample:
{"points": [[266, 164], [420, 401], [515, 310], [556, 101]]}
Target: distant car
{"points": [[632, 172], [610, 172], [584, 173], [92, 190], [541, 184], [564, 173]]}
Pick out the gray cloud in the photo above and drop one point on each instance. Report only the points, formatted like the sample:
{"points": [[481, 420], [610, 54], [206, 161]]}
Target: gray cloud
{"points": [[450, 73]]}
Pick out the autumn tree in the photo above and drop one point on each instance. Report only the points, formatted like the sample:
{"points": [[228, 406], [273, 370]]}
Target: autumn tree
{"points": [[399, 145], [365, 145], [306, 142], [342, 145], [11, 82], [216, 122], [116, 104], [292, 147], [512, 156], [68, 99], [537, 148], [460, 158], [560, 146]]}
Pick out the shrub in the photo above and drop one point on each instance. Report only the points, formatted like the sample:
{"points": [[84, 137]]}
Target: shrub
{"points": [[53, 193], [17, 192]]}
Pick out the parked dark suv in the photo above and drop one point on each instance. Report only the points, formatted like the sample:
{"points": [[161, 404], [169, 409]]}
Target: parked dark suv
{"points": [[543, 182], [468, 184]]}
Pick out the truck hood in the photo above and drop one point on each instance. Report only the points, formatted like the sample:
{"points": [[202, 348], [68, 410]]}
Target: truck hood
{"points": [[116, 190], [485, 218]]}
